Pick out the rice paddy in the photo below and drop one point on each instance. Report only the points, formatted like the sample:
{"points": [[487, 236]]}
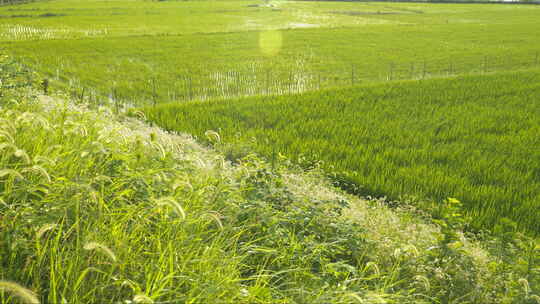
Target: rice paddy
{"points": [[142, 52], [474, 138], [220, 187]]}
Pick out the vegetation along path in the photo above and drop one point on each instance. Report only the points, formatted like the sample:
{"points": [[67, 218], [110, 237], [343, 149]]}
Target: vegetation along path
{"points": [[97, 207]]}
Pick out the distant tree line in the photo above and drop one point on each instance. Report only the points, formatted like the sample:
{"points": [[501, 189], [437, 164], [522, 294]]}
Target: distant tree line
{"points": [[536, 2], [449, 1], [11, 2]]}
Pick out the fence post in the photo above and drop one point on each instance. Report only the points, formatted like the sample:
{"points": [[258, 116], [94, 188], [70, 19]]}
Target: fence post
{"points": [[268, 82], [352, 74], [536, 60], [114, 99], [190, 88], [412, 70], [81, 97], [45, 84], [424, 70], [319, 83], [237, 82], [485, 64], [291, 82], [391, 72], [154, 91]]}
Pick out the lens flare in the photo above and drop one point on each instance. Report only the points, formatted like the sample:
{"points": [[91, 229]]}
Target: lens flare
{"points": [[270, 42]]}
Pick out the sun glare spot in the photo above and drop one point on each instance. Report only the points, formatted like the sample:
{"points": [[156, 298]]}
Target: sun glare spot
{"points": [[270, 42]]}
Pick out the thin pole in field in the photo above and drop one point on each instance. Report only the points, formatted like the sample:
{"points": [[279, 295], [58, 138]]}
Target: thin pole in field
{"points": [[290, 82], [190, 88], [412, 70], [268, 82], [319, 82], [485, 64], [424, 71], [175, 91], [536, 59], [352, 74], [154, 91], [391, 72], [45, 84], [83, 91], [115, 100], [237, 81]]}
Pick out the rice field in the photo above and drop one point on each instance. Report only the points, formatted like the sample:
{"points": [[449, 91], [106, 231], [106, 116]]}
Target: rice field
{"points": [[267, 107], [146, 52], [473, 138], [97, 207]]}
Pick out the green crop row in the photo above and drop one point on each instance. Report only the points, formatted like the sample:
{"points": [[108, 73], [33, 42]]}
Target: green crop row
{"points": [[474, 138], [140, 52]]}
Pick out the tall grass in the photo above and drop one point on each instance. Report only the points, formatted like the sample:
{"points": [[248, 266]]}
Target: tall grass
{"points": [[103, 208]]}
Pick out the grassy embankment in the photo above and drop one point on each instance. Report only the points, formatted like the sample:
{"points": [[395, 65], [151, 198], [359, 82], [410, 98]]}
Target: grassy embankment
{"points": [[96, 208]]}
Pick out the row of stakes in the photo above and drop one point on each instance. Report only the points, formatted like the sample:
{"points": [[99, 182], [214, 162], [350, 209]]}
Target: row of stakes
{"points": [[45, 83]]}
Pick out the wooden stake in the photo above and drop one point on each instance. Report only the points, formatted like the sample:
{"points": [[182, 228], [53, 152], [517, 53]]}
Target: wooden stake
{"points": [[352, 74]]}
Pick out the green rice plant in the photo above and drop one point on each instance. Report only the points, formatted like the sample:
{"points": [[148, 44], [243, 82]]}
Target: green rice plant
{"points": [[472, 138]]}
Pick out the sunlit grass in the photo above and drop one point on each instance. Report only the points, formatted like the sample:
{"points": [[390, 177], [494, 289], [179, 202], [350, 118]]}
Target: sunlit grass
{"points": [[103, 208]]}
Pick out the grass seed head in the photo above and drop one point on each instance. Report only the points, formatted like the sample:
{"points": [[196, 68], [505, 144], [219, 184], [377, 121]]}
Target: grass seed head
{"points": [[374, 266], [535, 298], [143, 299], [10, 172], [356, 298], [171, 202], [101, 248], [215, 216], [7, 136], [24, 294], [40, 170], [525, 284], [8, 146], [22, 155], [44, 229], [424, 281], [212, 136]]}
